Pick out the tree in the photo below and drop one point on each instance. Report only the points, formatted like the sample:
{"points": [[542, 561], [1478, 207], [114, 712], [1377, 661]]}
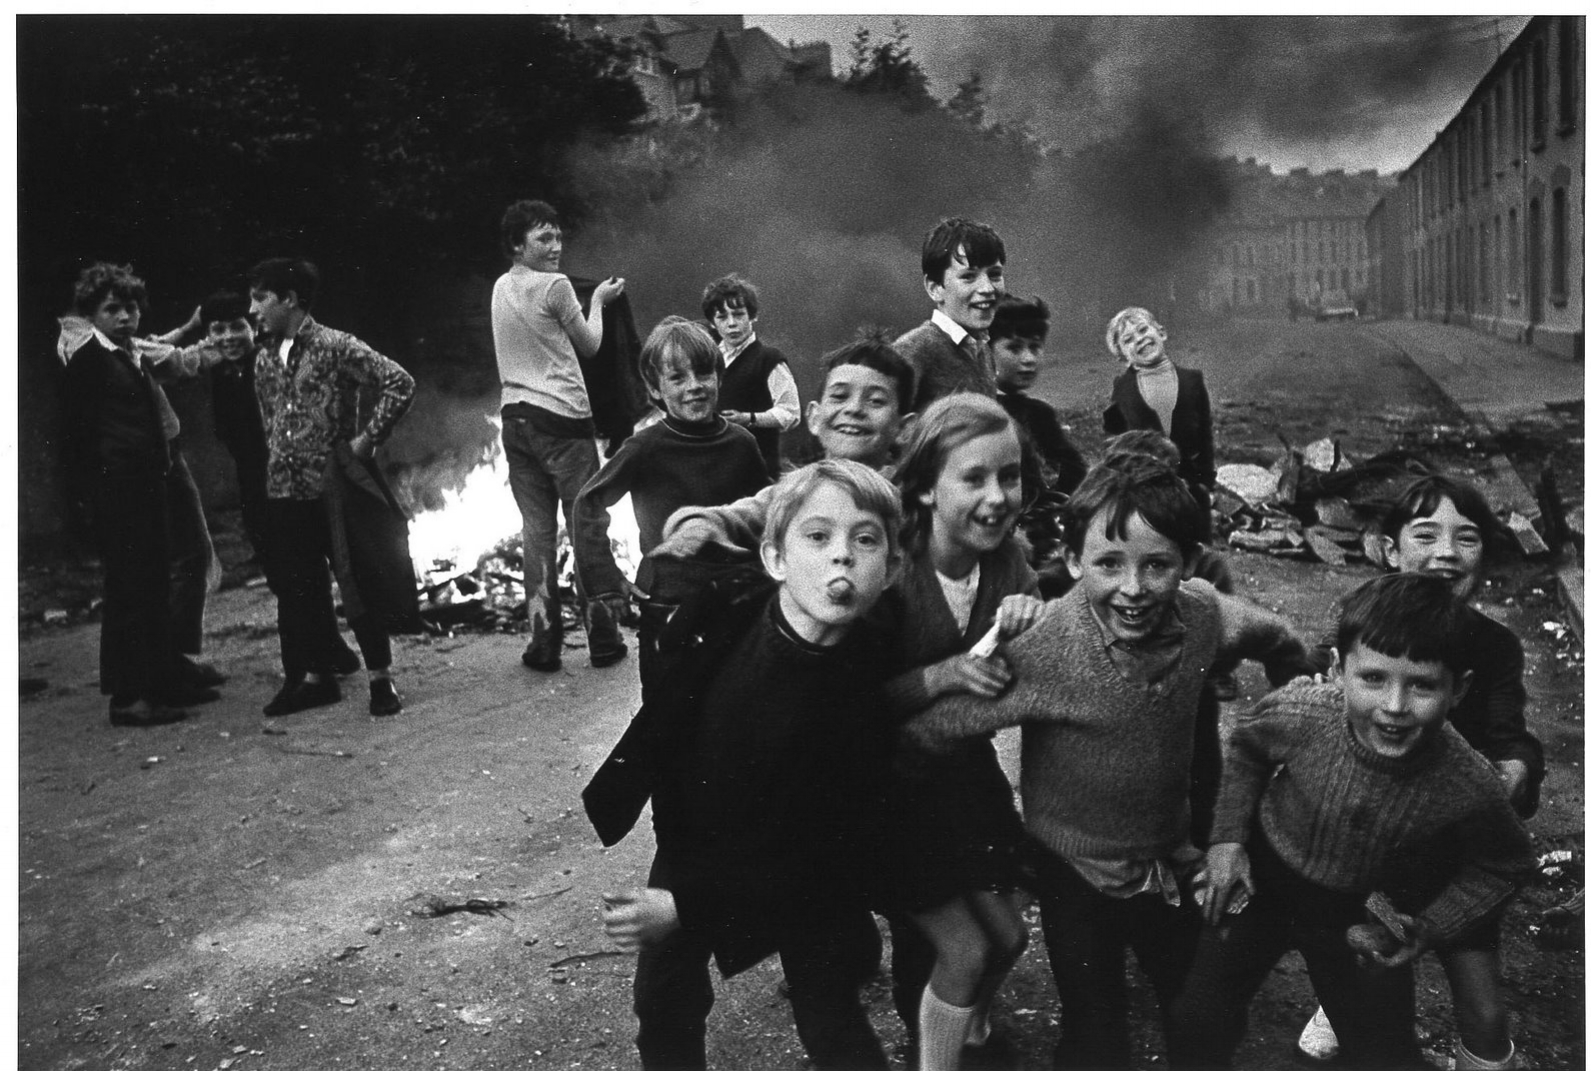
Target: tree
{"points": [[888, 67]]}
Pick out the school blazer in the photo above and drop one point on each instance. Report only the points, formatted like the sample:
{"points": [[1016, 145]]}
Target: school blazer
{"points": [[1191, 426]]}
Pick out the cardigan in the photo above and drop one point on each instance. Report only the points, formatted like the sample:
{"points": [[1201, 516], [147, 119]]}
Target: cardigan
{"points": [[1106, 762], [1432, 827], [941, 366], [1192, 428]]}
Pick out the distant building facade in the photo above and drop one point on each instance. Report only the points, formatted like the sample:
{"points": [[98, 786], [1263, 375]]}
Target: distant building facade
{"points": [[685, 64], [1487, 226], [1288, 239]]}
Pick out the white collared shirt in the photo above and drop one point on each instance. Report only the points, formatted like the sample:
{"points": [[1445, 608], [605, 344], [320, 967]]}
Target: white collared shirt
{"points": [[956, 332]]}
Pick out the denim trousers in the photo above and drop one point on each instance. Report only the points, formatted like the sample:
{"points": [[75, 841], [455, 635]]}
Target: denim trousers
{"points": [[544, 469]]}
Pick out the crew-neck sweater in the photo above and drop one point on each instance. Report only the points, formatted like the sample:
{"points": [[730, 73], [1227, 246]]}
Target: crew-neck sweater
{"points": [[662, 468], [1353, 821], [1158, 385]]}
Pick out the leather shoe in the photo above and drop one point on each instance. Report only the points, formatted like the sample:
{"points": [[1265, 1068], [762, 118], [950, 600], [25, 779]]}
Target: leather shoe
{"points": [[544, 652], [302, 695], [384, 700], [143, 714]]}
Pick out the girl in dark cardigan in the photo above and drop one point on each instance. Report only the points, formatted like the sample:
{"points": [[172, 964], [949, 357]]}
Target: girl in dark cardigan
{"points": [[1154, 394], [951, 828]]}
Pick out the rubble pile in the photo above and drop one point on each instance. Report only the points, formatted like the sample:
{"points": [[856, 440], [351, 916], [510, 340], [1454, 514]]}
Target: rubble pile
{"points": [[489, 594], [1319, 504]]}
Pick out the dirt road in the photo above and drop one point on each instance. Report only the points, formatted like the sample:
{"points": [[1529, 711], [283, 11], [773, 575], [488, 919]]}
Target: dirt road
{"points": [[231, 893]]}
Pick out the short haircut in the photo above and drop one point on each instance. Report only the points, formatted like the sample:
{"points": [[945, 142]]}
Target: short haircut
{"points": [[1424, 497], [1141, 442], [1136, 485], [223, 305], [520, 217], [1016, 317], [677, 336], [102, 279], [732, 291], [1406, 615], [868, 490], [978, 242], [872, 350], [1113, 329], [943, 426], [279, 275]]}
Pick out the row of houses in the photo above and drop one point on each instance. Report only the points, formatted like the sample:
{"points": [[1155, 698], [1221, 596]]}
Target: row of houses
{"points": [[1487, 227]]}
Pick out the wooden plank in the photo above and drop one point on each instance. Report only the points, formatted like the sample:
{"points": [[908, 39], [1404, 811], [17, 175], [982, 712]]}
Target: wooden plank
{"points": [[1571, 593]]}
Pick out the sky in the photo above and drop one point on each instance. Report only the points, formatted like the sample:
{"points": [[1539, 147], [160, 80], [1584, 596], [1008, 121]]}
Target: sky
{"points": [[1354, 92]]}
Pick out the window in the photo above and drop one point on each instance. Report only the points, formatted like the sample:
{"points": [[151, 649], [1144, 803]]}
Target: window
{"points": [[1499, 111], [1513, 254], [1251, 291], [1497, 253], [1516, 134], [1560, 246], [1483, 266], [1568, 66], [1486, 142], [1538, 93]]}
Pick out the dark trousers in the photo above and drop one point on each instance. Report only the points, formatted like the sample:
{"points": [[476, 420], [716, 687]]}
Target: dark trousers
{"points": [[252, 496], [299, 536], [825, 964], [131, 530], [1087, 935], [1372, 1011], [191, 554]]}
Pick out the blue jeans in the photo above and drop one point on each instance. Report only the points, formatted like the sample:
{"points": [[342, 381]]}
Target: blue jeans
{"points": [[550, 458]]}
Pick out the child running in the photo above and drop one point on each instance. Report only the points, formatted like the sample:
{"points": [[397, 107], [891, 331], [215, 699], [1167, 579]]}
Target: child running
{"points": [[1106, 687], [757, 757], [1334, 793], [1443, 527], [952, 828]]}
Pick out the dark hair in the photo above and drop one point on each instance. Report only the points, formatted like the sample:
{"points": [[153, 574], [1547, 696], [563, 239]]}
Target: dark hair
{"points": [[100, 279], [1141, 442], [871, 349], [520, 217], [978, 242], [943, 426], [223, 305], [281, 275], [868, 490], [1424, 497], [675, 334], [1016, 317], [1406, 615], [1134, 485], [730, 291]]}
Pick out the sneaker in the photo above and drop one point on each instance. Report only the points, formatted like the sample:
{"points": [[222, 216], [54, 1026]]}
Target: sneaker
{"points": [[544, 652], [142, 714], [384, 701], [602, 631], [1318, 1042], [302, 695]]}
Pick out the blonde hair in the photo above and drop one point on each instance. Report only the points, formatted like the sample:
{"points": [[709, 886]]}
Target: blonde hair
{"points": [[1113, 329]]}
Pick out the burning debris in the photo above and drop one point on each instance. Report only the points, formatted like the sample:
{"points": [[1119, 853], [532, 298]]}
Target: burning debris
{"points": [[1321, 505]]}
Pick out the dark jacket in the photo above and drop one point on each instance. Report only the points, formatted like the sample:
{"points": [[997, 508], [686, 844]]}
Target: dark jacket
{"points": [[613, 374], [113, 419], [369, 543], [1191, 426]]}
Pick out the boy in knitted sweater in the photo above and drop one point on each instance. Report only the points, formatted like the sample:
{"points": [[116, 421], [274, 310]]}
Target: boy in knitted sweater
{"points": [[1106, 688], [1360, 787]]}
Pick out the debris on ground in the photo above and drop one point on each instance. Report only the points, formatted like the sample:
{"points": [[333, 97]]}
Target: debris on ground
{"points": [[432, 906]]}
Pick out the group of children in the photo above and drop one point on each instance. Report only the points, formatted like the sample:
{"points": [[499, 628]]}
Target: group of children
{"points": [[816, 737]]}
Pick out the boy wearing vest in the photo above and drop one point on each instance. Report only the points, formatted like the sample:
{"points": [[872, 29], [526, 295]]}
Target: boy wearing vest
{"points": [[756, 390]]}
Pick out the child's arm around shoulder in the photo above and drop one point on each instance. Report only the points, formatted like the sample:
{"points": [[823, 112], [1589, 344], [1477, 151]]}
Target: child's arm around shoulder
{"points": [[1261, 739], [1251, 631], [737, 526]]}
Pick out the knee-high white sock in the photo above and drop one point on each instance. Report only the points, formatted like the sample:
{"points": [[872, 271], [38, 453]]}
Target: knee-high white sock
{"points": [[1464, 1060], [941, 1031]]}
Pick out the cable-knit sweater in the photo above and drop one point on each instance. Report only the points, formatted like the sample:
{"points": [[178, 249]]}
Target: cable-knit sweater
{"points": [[1433, 829], [1105, 761]]}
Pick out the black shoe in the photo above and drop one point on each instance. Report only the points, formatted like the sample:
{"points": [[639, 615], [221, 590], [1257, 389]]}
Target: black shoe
{"points": [[143, 713], [199, 674], [384, 700], [602, 634], [183, 694], [544, 652], [346, 662], [302, 695]]}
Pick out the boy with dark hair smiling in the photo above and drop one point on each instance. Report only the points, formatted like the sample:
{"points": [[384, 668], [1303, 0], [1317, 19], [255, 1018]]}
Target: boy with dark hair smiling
{"points": [[1016, 336], [964, 274], [756, 390], [1333, 794]]}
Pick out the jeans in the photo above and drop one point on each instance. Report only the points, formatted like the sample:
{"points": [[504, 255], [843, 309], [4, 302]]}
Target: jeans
{"points": [[545, 467], [300, 541]]}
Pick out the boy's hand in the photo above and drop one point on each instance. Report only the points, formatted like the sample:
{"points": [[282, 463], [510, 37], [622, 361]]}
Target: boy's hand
{"points": [[1516, 778], [607, 290], [735, 416], [986, 677], [1228, 881], [1375, 944], [1017, 614], [638, 917]]}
